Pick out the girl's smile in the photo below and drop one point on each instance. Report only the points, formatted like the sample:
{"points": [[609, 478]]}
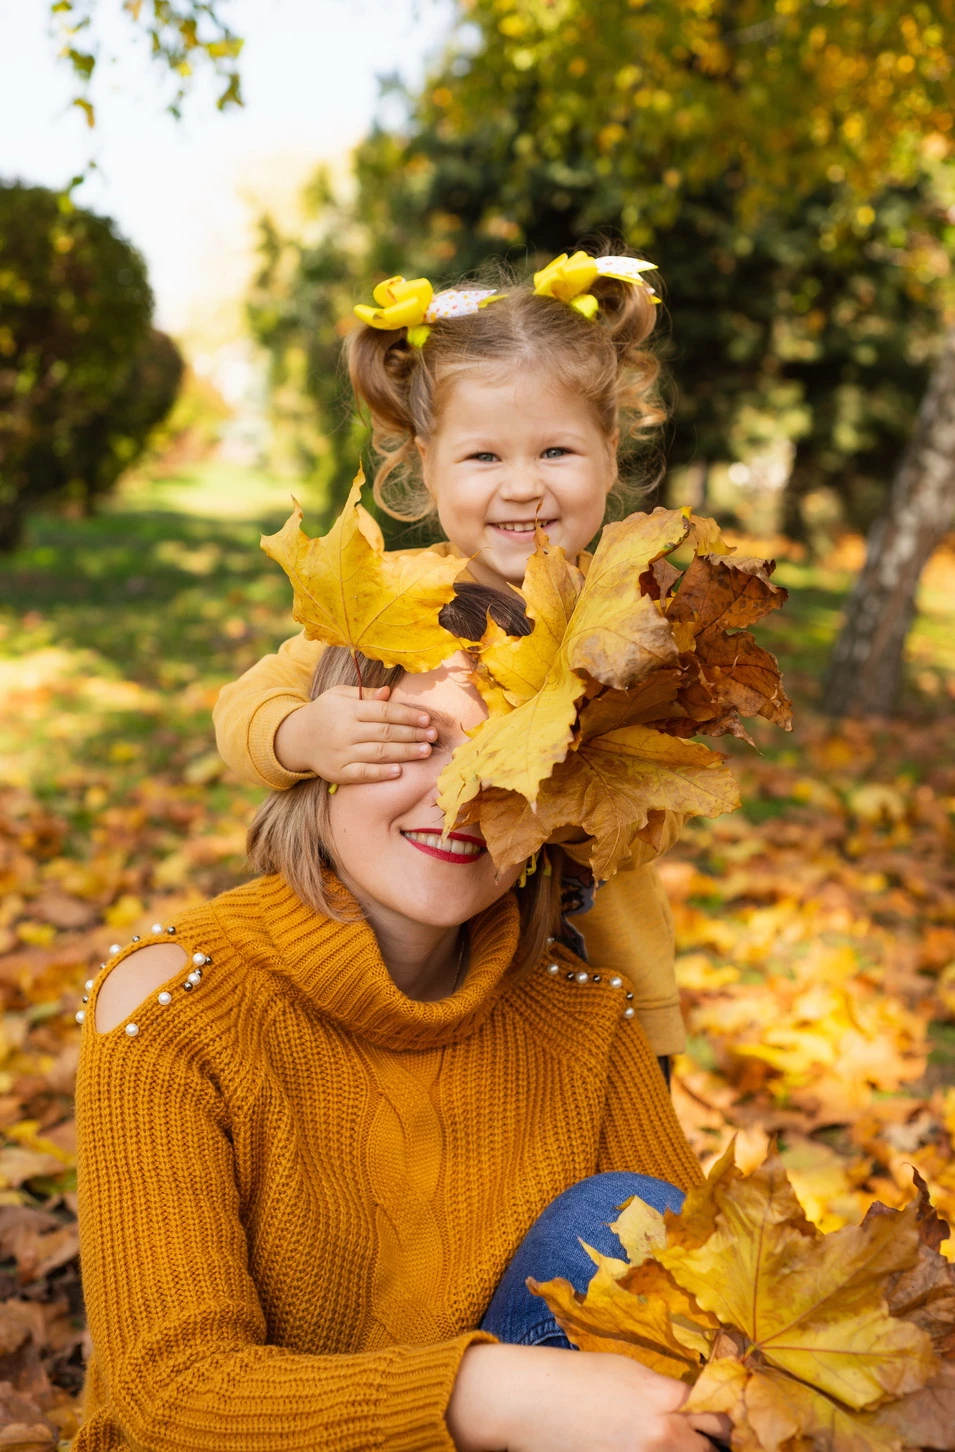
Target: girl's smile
{"points": [[511, 449]]}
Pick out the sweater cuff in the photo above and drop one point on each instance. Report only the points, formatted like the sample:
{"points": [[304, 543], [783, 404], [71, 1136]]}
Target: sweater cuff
{"points": [[664, 1027], [262, 728], [412, 1418]]}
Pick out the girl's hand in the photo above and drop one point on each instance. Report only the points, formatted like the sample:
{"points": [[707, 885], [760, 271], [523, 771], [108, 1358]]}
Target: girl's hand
{"points": [[541, 1399], [344, 739]]}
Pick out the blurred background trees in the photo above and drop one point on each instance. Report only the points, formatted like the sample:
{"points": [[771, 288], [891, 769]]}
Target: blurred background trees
{"points": [[787, 165], [84, 377]]}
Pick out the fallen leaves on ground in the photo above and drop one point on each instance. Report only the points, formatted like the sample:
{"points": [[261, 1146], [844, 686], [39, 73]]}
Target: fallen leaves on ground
{"points": [[832, 1343], [115, 812]]}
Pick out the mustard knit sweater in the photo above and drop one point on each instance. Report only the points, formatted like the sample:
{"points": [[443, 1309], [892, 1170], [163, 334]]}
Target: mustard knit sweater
{"points": [[299, 1188]]}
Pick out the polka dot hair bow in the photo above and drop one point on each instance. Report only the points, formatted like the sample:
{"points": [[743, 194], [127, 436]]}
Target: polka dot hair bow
{"points": [[570, 278], [414, 305]]}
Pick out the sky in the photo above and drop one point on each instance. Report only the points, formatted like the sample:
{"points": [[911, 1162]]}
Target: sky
{"points": [[187, 193]]}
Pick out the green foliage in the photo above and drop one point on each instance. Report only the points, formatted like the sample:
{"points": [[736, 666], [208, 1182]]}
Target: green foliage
{"points": [[816, 322], [301, 299], [182, 35], [773, 97], [83, 375]]}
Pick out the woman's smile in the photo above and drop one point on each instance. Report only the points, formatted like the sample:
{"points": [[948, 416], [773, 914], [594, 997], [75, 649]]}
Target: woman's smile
{"points": [[459, 849]]}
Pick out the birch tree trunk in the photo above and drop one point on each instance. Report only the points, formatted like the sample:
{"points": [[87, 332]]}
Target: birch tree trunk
{"points": [[866, 663]]}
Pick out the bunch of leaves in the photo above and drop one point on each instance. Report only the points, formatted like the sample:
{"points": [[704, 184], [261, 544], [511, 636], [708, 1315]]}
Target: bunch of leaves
{"points": [[590, 715], [830, 1343]]}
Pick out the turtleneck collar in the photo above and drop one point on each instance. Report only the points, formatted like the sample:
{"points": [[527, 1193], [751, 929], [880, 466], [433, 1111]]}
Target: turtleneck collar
{"points": [[339, 969]]}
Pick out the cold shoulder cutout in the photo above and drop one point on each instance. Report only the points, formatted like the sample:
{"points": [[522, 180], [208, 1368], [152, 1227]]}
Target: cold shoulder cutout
{"points": [[133, 980]]}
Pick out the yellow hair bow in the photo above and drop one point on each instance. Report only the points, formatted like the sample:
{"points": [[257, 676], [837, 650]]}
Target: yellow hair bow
{"points": [[414, 305], [569, 278], [401, 304]]}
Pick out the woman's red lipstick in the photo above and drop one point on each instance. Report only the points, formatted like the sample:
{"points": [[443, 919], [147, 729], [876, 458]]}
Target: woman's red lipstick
{"points": [[472, 853]]}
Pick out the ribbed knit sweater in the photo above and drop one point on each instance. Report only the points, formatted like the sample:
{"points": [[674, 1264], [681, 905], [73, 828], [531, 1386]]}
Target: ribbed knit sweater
{"points": [[299, 1188]]}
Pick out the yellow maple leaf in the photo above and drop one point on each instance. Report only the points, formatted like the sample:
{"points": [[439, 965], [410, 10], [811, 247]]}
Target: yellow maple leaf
{"points": [[636, 1315], [614, 634], [515, 751], [811, 1304], [551, 587], [807, 1342], [608, 630], [349, 592], [608, 787], [770, 1410]]}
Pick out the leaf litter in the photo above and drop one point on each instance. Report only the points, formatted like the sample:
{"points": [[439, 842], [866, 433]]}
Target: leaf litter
{"points": [[815, 934]]}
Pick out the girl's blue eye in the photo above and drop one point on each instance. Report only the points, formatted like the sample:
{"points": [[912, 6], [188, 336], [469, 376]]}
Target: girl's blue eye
{"points": [[484, 457], [556, 452]]}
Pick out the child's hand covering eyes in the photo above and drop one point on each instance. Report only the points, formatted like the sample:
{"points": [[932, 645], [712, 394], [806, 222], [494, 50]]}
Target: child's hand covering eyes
{"points": [[345, 738]]}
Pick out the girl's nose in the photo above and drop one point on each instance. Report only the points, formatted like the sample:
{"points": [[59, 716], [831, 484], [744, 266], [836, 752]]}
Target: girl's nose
{"points": [[523, 484]]}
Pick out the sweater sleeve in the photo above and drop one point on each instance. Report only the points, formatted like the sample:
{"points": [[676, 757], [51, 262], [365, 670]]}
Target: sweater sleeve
{"points": [[250, 711], [180, 1335], [640, 1130], [629, 930]]}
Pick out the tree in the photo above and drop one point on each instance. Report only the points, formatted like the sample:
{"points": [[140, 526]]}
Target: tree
{"points": [[774, 97], [182, 35], [812, 322], [866, 663], [83, 376]]}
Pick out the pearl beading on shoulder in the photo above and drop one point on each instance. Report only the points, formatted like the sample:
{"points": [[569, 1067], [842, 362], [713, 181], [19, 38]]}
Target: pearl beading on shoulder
{"points": [[582, 975], [193, 978]]}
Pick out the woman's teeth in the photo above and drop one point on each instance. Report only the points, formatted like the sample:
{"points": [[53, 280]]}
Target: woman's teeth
{"points": [[455, 845]]}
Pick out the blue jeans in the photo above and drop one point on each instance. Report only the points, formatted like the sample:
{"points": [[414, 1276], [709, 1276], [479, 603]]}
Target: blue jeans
{"points": [[551, 1248]]}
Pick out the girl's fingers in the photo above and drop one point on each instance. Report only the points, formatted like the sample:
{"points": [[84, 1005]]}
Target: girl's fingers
{"points": [[390, 731], [365, 771], [382, 751], [392, 713]]}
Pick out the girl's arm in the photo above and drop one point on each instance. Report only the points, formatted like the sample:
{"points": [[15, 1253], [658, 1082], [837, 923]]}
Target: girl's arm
{"points": [[249, 712], [270, 731], [629, 930]]}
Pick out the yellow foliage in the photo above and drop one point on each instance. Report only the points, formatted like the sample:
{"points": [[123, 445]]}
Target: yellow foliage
{"points": [[821, 1342], [349, 592], [588, 714]]}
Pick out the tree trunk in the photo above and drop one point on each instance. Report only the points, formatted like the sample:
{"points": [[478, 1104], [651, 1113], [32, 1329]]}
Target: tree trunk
{"points": [[11, 525], [866, 664]]}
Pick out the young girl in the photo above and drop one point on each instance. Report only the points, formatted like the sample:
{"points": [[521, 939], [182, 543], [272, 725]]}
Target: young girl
{"points": [[493, 410]]}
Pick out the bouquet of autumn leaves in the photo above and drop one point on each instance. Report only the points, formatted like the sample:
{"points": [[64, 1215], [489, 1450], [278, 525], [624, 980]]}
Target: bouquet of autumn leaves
{"points": [[807, 1342], [588, 716]]}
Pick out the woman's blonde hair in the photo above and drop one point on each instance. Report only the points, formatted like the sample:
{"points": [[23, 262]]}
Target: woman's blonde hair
{"points": [[601, 359], [290, 833]]}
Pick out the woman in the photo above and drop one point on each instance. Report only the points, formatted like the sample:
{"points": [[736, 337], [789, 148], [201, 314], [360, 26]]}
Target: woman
{"points": [[319, 1118]]}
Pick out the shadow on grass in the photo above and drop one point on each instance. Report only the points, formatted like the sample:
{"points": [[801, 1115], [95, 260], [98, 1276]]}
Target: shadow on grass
{"points": [[165, 597]]}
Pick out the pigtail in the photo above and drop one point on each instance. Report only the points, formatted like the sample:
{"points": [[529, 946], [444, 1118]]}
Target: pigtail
{"points": [[628, 316], [382, 366]]}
